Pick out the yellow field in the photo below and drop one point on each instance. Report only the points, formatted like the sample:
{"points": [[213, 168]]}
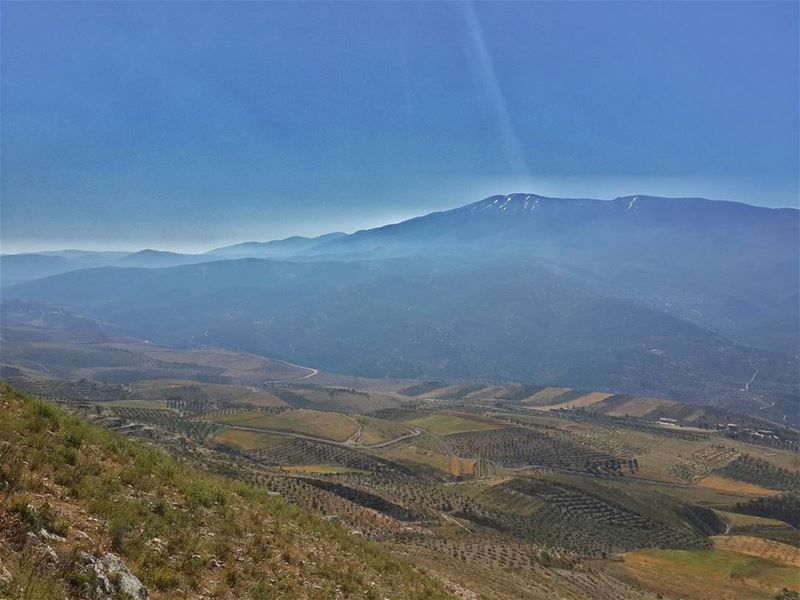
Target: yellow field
{"points": [[325, 425], [447, 423], [583, 401], [463, 467], [738, 487], [545, 395], [754, 546], [247, 440], [707, 574], [429, 457]]}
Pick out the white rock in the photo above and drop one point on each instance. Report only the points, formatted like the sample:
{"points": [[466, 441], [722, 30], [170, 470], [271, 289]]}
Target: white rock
{"points": [[111, 568]]}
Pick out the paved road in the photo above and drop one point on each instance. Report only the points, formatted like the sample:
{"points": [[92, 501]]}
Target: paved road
{"points": [[285, 362]]}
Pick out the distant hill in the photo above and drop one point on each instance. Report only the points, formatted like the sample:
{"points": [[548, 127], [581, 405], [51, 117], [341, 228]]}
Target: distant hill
{"points": [[149, 259], [277, 248], [16, 268], [31, 265]]}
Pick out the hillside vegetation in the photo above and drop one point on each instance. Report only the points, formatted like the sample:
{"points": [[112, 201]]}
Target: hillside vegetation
{"points": [[86, 513]]}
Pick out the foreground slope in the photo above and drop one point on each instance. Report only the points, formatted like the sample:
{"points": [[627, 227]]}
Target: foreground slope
{"points": [[84, 511]]}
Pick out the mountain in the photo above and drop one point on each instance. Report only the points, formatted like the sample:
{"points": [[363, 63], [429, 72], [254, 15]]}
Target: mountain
{"points": [[277, 248], [724, 265], [536, 221], [678, 298], [87, 256], [17, 268], [156, 259]]}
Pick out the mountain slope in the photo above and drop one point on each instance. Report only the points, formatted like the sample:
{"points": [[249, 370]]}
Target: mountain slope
{"points": [[84, 509], [524, 321], [725, 265]]}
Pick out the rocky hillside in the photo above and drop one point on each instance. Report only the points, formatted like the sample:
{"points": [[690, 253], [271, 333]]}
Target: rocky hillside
{"points": [[86, 513]]}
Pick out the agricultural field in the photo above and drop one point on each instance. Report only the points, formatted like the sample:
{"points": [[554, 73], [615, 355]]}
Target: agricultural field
{"points": [[448, 423], [247, 440], [324, 425], [378, 431]]}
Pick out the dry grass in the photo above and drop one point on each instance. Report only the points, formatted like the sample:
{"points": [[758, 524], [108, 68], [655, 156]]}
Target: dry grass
{"points": [[738, 487], [755, 546], [639, 407], [247, 440], [741, 520], [239, 366], [463, 467], [216, 538], [710, 574], [324, 425], [149, 404], [447, 423], [429, 457]]}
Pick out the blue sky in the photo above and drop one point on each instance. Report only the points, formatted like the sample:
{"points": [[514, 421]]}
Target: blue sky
{"points": [[189, 125]]}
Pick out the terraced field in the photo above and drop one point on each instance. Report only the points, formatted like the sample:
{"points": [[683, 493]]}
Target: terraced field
{"points": [[522, 447]]}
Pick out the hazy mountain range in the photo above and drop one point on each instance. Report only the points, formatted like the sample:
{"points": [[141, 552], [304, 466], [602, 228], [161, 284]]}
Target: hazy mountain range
{"points": [[686, 298]]}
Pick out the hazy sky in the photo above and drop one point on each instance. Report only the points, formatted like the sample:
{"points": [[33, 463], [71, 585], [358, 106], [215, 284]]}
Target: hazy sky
{"points": [[188, 125]]}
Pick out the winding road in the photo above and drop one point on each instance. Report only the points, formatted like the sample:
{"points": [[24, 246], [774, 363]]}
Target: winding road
{"points": [[746, 387], [285, 362]]}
